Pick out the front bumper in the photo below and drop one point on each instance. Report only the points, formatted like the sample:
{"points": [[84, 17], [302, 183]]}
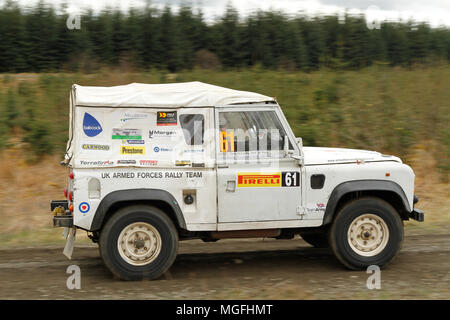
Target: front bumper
{"points": [[417, 215]]}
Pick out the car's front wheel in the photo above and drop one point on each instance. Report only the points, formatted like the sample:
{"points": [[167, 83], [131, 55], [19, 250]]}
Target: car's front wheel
{"points": [[138, 242], [366, 231]]}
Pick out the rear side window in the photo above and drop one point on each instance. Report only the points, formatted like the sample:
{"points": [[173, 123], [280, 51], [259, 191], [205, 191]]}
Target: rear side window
{"points": [[193, 126]]}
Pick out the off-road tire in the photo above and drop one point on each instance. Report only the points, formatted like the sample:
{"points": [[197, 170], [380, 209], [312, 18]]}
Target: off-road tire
{"points": [[121, 220], [341, 241]]}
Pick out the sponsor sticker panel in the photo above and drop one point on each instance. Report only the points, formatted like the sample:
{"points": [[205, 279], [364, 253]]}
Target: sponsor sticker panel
{"points": [[91, 127], [95, 147], [96, 163], [272, 179], [126, 134], [126, 161], [166, 118], [130, 116], [257, 179], [131, 150], [134, 141], [148, 162], [157, 133], [158, 149]]}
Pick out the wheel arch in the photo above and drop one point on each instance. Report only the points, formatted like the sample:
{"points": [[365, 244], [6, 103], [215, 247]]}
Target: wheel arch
{"points": [[121, 198], [389, 191]]}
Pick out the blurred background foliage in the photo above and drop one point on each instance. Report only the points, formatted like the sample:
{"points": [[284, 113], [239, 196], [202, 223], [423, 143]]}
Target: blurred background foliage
{"points": [[36, 39], [338, 82]]}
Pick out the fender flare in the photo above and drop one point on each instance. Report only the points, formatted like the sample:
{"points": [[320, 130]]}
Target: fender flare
{"points": [[131, 195], [361, 185]]}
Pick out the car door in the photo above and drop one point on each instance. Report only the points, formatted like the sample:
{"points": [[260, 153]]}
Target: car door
{"points": [[257, 180]]}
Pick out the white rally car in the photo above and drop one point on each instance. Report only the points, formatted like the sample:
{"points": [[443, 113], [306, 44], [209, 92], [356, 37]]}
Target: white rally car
{"points": [[152, 164]]}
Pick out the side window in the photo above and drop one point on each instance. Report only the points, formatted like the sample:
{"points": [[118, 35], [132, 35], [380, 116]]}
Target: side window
{"points": [[193, 126], [250, 131]]}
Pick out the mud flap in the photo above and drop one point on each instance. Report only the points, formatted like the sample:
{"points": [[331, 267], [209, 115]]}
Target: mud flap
{"points": [[65, 232], [68, 248]]}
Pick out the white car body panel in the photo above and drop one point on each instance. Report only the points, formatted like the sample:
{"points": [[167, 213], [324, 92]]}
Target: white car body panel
{"points": [[217, 205]]}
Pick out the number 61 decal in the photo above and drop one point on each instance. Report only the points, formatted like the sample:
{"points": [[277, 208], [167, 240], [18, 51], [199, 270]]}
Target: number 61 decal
{"points": [[290, 179], [226, 141]]}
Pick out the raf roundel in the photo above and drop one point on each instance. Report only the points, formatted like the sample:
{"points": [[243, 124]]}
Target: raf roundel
{"points": [[84, 207]]}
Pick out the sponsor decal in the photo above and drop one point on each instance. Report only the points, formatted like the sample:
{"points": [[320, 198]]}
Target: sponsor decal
{"points": [[148, 162], [275, 179], [91, 126], [84, 207], [100, 147], [194, 151], [132, 150], [161, 133], [126, 134], [162, 149], [227, 141], [198, 165], [135, 141], [152, 175], [164, 118], [133, 116], [182, 163], [126, 161], [317, 208], [97, 163], [256, 179], [290, 179]]}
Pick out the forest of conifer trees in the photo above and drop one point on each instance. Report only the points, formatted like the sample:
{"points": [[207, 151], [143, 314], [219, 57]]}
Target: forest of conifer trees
{"points": [[36, 39]]}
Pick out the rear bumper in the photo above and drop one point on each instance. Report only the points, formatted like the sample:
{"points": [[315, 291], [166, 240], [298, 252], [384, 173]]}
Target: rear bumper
{"points": [[59, 203], [61, 214], [417, 215], [62, 221]]}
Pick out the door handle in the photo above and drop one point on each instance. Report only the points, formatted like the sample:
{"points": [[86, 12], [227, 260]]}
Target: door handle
{"points": [[222, 166], [231, 186]]}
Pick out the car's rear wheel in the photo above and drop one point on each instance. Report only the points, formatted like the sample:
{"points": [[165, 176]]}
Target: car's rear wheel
{"points": [[139, 242], [367, 231]]}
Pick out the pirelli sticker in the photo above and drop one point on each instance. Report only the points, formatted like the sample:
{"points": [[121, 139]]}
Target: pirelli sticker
{"points": [[132, 150], [261, 180]]}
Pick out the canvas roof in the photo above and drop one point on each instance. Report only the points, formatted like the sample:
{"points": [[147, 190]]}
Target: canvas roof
{"points": [[173, 95]]}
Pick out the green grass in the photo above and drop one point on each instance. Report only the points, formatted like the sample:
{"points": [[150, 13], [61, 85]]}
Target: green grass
{"points": [[379, 108]]}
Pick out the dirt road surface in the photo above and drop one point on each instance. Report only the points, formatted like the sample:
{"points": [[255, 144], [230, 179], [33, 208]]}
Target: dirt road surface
{"points": [[233, 269]]}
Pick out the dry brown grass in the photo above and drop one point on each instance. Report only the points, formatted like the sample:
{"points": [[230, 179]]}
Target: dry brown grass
{"points": [[431, 188], [26, 190]]}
